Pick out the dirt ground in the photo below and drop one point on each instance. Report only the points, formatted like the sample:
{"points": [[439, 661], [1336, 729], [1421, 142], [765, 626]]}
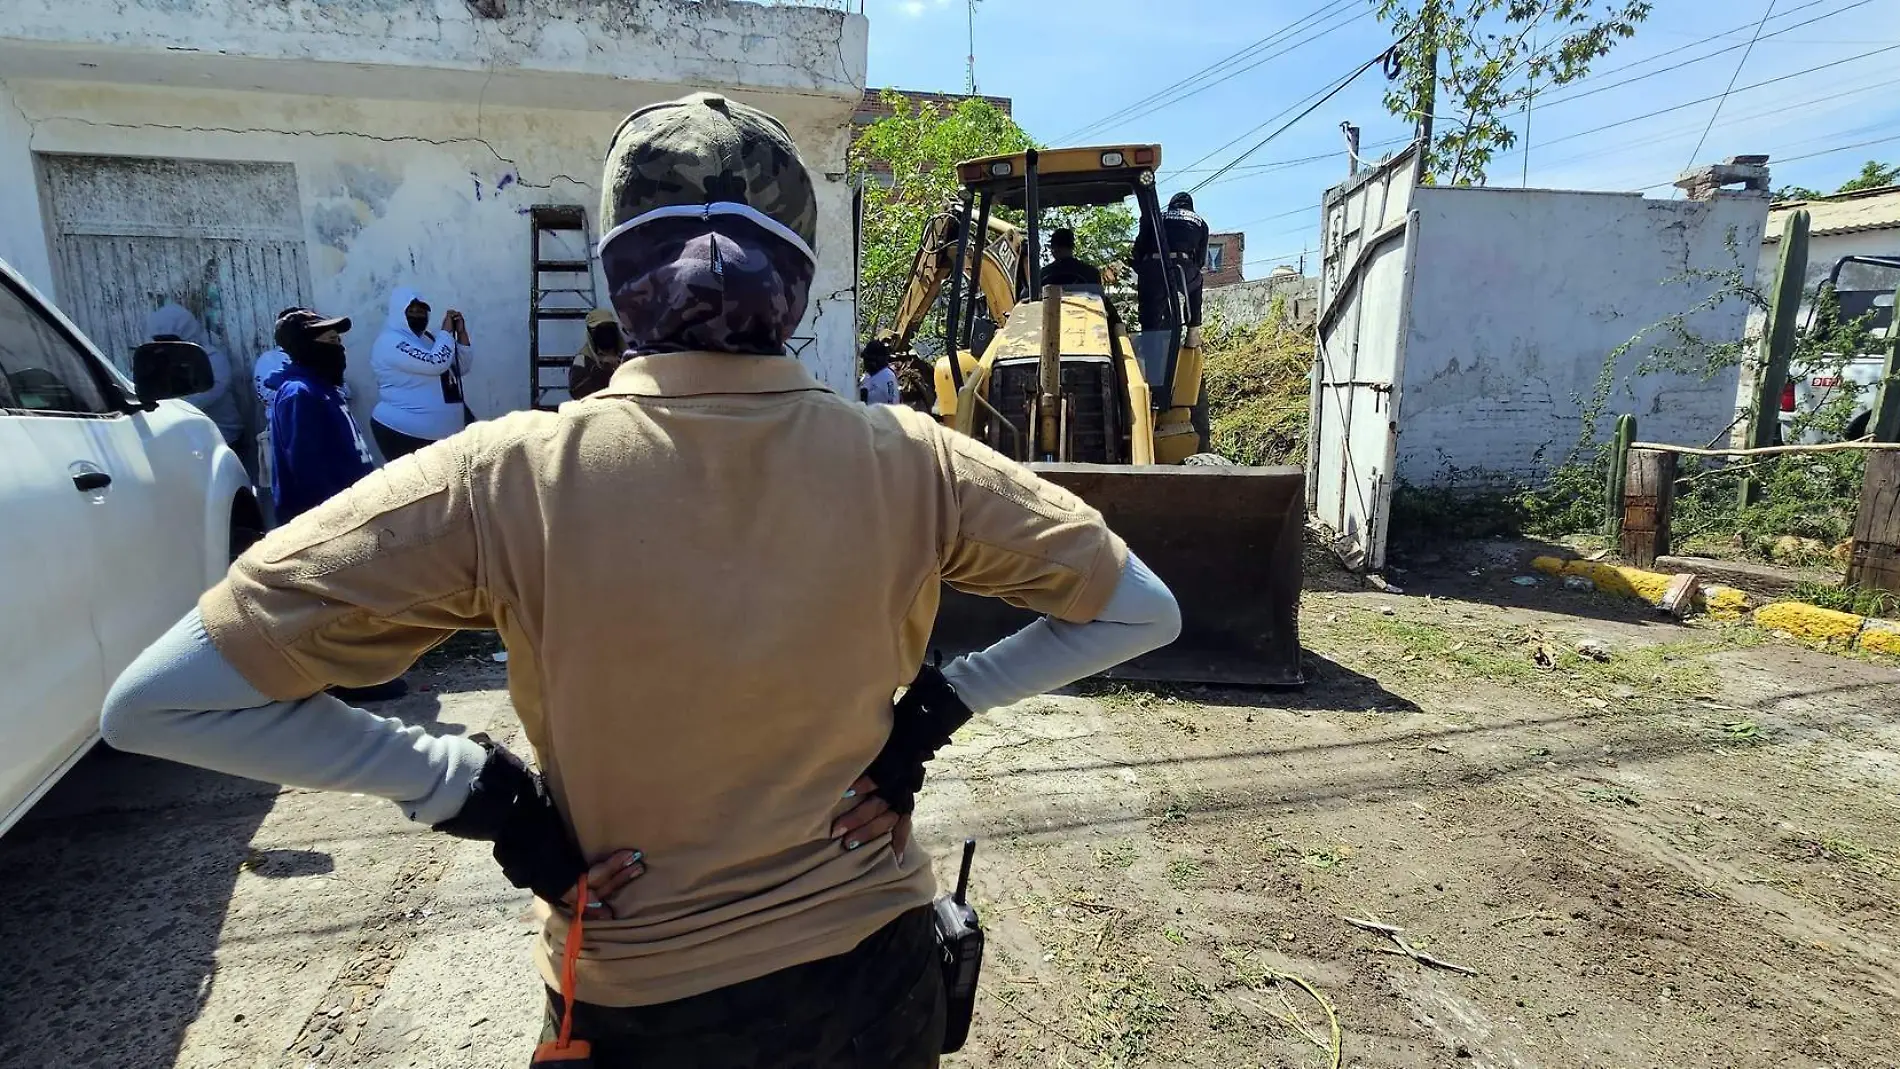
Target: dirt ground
{"points": [[1652, 844]]}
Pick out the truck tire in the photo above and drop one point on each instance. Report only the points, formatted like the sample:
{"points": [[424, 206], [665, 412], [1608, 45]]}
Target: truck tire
{"points": [[1858, 428]]}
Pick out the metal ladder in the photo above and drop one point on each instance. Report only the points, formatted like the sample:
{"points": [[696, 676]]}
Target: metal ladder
{"points": [[567, 296]]}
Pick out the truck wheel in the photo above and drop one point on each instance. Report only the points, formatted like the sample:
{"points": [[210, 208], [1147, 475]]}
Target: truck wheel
{"points": [[1858, 428]]}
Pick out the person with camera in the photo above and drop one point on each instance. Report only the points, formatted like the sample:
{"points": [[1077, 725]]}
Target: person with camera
{"points": [[419, 397]]}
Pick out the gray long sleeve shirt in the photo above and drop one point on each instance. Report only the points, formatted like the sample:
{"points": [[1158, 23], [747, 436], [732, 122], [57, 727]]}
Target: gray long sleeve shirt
{"points": [[182, 700]]}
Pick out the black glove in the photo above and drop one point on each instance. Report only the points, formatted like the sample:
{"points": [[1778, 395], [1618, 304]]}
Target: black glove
{"points": [[509, 806], [924, 719]]}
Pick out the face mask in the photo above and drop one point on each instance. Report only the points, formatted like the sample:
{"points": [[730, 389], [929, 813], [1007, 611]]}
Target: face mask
{"points": [[418, 319], [606, 339], [722, 284], [323, 359]]}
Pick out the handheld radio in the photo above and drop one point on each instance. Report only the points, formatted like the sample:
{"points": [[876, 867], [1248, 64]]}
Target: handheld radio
{"points": [[960, 941]]}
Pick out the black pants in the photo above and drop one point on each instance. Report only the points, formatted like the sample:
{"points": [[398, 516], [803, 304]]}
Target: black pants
{"points": [[879, 1006], [395, 443]]}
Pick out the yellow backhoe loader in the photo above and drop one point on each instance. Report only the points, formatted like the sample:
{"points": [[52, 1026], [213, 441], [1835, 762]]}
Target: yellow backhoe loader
{"points": [[998, 277], [1060, 387]]}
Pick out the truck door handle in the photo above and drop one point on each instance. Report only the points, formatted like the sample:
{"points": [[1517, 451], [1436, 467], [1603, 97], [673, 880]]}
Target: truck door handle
{"points": [[88, 481]]}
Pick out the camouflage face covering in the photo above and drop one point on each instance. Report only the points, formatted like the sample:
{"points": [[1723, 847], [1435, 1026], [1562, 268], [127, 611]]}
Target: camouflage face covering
{"points": [[718, 283]]}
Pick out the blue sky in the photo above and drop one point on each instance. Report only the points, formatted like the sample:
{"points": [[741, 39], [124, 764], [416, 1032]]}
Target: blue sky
{"points": [[1069, 63]]}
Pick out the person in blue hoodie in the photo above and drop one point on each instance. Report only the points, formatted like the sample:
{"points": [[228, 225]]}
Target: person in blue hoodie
{"points": [[316, 448]]}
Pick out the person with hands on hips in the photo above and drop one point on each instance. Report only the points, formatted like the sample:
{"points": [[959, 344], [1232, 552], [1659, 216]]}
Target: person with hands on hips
{"points": [[713, 578]]}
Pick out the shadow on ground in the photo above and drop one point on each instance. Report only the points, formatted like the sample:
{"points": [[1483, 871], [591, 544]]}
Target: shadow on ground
{"points": [[132, 862]]}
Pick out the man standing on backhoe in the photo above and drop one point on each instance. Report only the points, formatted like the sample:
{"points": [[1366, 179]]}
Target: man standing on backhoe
{"points": [[712, 576], [1178, 273]]}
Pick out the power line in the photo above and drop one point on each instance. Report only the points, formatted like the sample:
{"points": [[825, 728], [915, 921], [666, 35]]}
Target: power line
{"points": [[1698, 59], [1705, 100], [1259, 170], [1805, 156], [1330, 93], [1732, 78], [1716, 37], [1331, 86], [1212, 68], [1351, 17], [1779, 108]]}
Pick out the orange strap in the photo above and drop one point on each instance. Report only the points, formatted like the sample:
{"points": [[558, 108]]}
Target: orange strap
{"points": [[569, 956]]}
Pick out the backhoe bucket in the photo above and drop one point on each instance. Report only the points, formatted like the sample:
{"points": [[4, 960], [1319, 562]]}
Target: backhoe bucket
{"points": [[1227, 540]]}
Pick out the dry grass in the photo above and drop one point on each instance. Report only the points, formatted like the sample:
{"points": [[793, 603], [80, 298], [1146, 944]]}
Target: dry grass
{"points": [[1257, 391]]}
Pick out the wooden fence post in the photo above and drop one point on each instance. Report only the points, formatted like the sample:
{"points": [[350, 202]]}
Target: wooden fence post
{"points": [[1885, 423], [1619, 468], [1874, 563], [1649, 493]]}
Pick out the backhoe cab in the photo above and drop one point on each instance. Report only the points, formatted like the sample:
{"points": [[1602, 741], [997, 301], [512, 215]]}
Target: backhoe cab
{"points": [[1060, 380]]}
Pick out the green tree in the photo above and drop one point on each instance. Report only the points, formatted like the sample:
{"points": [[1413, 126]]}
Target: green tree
{"points": [[907, 162], [1472, 65], [1873, 175]]}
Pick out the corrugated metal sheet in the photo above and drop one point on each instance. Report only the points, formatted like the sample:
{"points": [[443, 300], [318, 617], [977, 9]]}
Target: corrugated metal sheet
{"points": [[223, 239], [1874, 209]]}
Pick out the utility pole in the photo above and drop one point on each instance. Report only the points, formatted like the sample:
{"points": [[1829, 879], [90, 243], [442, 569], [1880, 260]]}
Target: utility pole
{"points": [[1524, 181], [1352, 147], [969, 81], [1428, 95]]}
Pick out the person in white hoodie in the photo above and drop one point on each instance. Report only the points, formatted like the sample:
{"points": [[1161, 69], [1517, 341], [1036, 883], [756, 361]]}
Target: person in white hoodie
{"points": [[172, 322], [418, 376]]}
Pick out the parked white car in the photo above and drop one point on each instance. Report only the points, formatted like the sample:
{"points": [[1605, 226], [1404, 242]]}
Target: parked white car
{"points": [[117, 509], [1863, 287]]}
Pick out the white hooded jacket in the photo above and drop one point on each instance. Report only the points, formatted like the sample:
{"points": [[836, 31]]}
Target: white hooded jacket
{"points": [[418, 377], [172, 318]]}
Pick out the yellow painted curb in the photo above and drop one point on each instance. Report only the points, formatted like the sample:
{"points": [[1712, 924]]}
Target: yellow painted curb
{"points": [[1719, 602], [1880, 636], [1809, 622]]}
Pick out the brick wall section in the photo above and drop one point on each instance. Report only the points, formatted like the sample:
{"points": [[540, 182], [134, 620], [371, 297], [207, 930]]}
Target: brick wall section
{"points": [[1232, 250]]}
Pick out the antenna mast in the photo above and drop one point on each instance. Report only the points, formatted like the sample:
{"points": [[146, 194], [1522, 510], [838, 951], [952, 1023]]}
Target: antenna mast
{"points": [[969, 81]]}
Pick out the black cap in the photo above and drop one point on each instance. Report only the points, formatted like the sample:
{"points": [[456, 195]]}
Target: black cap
{"points": [[301, 325]]}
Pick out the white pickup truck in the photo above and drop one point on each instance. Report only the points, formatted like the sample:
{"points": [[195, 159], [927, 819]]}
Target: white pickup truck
{"points": [[1863, 286], [118, 507]]}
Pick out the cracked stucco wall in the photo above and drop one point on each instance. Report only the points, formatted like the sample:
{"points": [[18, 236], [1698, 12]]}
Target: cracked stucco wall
{"points": [[710, 43], [393, 192], [1518, 298]]}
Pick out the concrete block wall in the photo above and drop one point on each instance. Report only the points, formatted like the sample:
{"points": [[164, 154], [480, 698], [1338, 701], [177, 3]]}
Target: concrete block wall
{"points": [[1520, 296]]}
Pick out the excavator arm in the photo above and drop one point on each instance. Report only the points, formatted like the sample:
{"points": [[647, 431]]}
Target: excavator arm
{"points": [[936, 254]]}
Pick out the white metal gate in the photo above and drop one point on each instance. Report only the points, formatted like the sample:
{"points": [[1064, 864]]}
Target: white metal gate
{"points": [[224, 239], [1364, 291]]}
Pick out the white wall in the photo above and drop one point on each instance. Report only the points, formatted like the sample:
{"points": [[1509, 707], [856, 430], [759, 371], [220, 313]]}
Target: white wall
{"points": [[395, 192], [22, 240], [1823, 250], [539, 46], [1521, 295]]}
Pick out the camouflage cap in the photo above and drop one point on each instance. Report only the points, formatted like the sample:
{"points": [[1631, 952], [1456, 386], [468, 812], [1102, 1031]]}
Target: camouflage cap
{"points": [[704, 149]]}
